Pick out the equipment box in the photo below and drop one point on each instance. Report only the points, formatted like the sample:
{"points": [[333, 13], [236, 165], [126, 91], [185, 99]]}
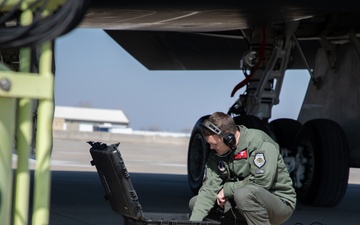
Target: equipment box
{"points": [[121, 194]]}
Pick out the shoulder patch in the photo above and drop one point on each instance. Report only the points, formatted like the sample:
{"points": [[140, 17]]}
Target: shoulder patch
{"points": [[241, 155], [259, 160]]}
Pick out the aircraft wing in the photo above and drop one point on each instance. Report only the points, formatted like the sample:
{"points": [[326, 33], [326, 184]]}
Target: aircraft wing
{"points": [[213, 35]]}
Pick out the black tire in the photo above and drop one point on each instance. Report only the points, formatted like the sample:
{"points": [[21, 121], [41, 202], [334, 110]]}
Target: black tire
{"points": [[285, 131], [327, 169], [250, 121], [198, 152]]}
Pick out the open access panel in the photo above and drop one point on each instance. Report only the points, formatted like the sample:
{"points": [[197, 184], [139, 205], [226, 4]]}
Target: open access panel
{"points": [[121, 194]]}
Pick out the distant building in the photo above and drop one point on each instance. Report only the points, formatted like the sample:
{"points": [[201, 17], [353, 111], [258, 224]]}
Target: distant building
{"points": [[89, 119]]}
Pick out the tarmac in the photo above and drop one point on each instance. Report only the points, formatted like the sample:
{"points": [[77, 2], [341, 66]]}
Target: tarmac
{"points": [[158, 172]]}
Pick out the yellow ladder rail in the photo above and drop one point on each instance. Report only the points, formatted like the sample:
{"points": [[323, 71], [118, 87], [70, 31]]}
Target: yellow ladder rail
{"points": [[25, 86], [44, 143], [23, 139]]}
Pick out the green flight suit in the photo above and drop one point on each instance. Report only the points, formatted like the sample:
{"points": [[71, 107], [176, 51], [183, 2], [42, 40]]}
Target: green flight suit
{"points": [[255, 177]]}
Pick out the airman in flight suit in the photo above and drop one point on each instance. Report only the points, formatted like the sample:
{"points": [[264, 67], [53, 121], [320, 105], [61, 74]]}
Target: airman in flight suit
{"points": [[245, 174]]}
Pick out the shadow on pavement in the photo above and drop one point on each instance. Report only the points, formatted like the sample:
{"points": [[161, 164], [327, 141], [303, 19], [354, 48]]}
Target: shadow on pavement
{"points": [[78, 198]]}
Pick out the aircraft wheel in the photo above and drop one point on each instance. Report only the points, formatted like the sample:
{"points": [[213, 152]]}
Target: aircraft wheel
{"points": [[250, 121], [326, 174], [198, 152], [285, 131]]}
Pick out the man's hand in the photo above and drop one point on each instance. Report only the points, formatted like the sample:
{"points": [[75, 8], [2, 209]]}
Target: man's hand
{"points": [[220, 198]]}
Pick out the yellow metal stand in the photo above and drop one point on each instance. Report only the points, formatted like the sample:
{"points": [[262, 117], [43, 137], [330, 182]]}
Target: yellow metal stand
{"points": [[18, 92], [12, 87], [24, 86]]}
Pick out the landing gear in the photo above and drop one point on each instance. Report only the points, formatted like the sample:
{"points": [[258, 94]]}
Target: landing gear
{"points": [[316, 155], [324, 145], [198, 152], [317, 158], [252, 122], [285, 131]]}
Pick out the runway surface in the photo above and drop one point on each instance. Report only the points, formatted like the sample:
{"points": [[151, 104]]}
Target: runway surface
{"points": [[158, 173]]}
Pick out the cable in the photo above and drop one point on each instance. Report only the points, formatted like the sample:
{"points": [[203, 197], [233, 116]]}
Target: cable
{"points": [[9, 14], [65, 19], [10, 34]]}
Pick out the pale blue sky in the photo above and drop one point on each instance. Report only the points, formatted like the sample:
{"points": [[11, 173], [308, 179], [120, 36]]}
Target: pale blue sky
{"points": [[92, 69]]}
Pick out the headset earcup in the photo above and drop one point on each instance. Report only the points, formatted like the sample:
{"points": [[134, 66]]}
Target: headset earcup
{"points": [[230, 140]]}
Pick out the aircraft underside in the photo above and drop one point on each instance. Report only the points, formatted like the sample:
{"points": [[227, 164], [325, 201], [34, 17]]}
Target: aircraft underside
{"points": [[318, 147]]}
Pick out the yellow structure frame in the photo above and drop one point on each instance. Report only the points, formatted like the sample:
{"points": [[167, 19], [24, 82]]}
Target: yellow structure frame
{"points": [[18, 94], [16, 112]]}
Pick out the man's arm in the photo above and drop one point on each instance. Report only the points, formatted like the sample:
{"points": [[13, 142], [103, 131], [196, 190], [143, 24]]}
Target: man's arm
{"points": [[207, 195]]}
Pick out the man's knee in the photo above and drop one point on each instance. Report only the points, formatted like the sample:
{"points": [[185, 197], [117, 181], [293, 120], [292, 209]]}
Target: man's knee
{"points": [[192, 202], [245, 197]]}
